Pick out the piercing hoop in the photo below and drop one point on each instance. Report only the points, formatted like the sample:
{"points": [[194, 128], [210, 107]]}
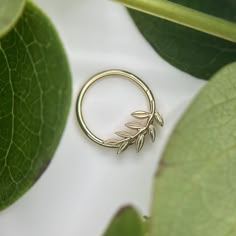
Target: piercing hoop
{"points": [[137, 130]]}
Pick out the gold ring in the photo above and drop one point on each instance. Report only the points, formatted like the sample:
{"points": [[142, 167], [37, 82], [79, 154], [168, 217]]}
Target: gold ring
{"points": [[138, 130]]}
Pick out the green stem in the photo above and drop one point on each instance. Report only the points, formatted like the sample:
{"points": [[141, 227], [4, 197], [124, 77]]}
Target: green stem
{"points": [[185, 16]]}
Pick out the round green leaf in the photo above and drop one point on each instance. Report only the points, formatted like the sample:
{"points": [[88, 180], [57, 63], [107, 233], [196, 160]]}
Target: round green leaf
{"points": [[192, 51], [195, 186], [127, 222], [35, 91], [10, 11]]}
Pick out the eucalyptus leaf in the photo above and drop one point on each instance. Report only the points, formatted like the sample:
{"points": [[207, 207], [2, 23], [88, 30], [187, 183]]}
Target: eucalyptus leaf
{"points": [[127, 222], [195, 185], [194, 52], [35, 92], [10, 11]]}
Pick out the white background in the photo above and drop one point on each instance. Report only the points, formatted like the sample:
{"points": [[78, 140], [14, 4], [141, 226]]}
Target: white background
{"points": [[85, 183]]}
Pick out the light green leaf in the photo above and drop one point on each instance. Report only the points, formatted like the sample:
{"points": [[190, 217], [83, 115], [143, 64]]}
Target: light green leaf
{"points": [[194, 52], [35, 91], [10, 11], [195, 186], [187, 16], [127, 222]]}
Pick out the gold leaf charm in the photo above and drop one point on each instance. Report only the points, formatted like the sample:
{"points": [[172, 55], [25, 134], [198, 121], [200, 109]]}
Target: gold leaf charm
{"points": [[140, 142], [152, 132], [112, 142], [138, 137], [159, 119], [134, 125], [141, 114], [123, 134], [123, 147]]}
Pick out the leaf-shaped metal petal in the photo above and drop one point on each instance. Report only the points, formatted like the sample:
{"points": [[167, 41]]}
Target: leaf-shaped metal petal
{"points": [[134, 125], [141, 114], [114, 142], [140, 142], [159, 118], [122, 147], [152, 132], [123, 134]]}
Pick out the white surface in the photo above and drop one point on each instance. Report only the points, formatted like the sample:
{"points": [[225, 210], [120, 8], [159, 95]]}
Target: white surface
{"points": [[85, 184]]}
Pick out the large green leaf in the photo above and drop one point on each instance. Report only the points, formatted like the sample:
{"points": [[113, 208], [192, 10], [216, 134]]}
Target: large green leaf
{"points": [[192, 51], [127, 222], [10, 11], [195, 186], [35, 91]]}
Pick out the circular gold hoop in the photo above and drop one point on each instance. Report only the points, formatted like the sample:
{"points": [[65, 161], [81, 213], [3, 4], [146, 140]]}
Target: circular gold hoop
{"points": [[142, 130]]}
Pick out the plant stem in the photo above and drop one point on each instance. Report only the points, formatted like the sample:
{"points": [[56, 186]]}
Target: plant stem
{"points": [[185, 16]]}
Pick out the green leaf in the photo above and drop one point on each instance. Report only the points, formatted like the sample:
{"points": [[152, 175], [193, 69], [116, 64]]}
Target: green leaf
{"points": [[195, 186], [127, 222], [35, 91], [10, 11], [194, 52]]}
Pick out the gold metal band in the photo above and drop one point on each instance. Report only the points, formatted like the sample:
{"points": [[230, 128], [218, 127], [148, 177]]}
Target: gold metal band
{"points": [[127, 138]]}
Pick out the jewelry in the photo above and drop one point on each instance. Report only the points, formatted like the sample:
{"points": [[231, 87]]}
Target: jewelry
{"points": [[126, 138]]}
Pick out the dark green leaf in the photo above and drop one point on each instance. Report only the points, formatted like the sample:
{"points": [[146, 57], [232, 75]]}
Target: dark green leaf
{"points": [[195, 186], [192, 51], [10, 11], [35, 91], [127, 222]]}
